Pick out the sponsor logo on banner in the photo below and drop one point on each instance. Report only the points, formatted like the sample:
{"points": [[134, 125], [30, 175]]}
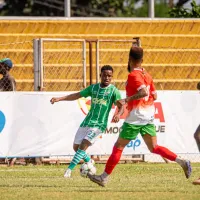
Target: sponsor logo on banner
{"points": [[159, 118], [85, 105], [134, 144], [2, 121], [113, 130]]}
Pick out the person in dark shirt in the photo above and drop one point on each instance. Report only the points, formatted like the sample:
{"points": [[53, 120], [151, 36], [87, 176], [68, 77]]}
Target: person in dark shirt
{"points": [[197, 139], [7, 82]]}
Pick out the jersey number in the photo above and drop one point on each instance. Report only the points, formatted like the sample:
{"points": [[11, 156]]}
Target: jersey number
{"points": [[91, 135]]}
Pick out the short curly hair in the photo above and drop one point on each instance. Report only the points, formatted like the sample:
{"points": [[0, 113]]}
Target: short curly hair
{"points": [[106, 67]]}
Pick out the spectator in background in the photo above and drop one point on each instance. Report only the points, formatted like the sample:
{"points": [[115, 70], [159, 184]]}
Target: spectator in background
{"points": [[7, 82], [197, 138]]}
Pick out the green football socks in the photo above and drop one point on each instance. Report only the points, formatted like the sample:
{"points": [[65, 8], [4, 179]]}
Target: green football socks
{"points": [[80, 154]]}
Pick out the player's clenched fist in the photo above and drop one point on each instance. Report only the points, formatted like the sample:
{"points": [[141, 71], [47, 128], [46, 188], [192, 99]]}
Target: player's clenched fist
{"points": [[53, 100]]}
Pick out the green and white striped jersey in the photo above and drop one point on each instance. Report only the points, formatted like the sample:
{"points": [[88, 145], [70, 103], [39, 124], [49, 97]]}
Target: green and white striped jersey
{"points": [[102, 100]]}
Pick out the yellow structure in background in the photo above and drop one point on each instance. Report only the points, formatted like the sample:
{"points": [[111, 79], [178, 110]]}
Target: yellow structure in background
{"points": [[171, 47]]}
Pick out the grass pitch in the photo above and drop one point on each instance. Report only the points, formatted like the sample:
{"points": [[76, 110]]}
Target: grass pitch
{"points": [[129, 181]]}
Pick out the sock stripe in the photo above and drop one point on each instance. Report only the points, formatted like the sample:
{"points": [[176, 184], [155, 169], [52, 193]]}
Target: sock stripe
{"points": [[76, 160], [80, 154], [80, 151]]}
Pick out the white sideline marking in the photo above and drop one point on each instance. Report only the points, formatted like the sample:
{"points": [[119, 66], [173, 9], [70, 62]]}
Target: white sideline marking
{"points": [[21, 170], [62, 169]]}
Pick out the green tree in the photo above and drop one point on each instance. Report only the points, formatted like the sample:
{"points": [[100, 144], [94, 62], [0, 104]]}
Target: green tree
{"points": [[105, 8], [161, 9], [180, 12], [14, 7], [95, 8], [32, 8]]}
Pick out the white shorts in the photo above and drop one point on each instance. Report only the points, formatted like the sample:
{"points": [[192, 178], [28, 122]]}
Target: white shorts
{"points": [[87, 133]]}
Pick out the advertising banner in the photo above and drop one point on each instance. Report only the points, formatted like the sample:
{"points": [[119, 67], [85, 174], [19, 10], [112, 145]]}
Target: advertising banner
{"points": [[31, 126]]}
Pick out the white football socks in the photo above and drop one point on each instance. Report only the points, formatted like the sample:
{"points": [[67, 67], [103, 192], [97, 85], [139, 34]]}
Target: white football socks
{"points": [[179, 160]]}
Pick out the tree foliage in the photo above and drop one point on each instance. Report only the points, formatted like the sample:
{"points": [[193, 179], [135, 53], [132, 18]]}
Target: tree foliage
{"points": [[105, 8], [181, 2], [161, 9], [180, 12], [95, 8], [32, 8], [86, 8], [14, 7]]}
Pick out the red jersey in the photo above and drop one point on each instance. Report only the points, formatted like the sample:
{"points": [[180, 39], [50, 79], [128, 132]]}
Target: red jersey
{"points": [[141, 111]]}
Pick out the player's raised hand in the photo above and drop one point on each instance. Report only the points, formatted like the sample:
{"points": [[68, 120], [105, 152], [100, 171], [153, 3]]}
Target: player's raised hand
{"points": [[53, 100]]}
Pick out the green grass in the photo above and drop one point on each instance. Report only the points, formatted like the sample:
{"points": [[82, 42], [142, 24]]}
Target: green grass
{"points": [[129, 181]]}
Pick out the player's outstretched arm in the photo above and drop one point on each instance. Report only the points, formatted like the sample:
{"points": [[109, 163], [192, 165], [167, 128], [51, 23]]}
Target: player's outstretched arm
{"points": [[140, 94], [70, 97]]}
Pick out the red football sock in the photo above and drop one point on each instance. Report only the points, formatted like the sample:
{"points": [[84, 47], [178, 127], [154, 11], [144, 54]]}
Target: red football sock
{"points": [[164, 152], [113, 160]]}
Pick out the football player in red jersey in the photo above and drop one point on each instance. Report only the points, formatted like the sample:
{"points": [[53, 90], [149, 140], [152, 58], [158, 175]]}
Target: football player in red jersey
{"points": [[141, 93]]}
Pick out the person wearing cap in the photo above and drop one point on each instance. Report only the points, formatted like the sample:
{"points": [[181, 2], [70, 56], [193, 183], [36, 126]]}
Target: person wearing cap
{"points": [[7, 82]]}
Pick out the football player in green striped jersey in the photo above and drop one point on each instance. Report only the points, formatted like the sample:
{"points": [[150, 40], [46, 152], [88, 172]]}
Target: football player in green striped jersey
{"points": [[103, 96]]}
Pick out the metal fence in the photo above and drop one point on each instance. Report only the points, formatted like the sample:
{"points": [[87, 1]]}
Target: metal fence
{"points": [[60, 64], [171, 68], [115, 53], [67, 65]]}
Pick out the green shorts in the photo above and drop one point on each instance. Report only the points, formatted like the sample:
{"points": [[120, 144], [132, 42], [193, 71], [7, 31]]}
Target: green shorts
{"points": [[131, 131]]}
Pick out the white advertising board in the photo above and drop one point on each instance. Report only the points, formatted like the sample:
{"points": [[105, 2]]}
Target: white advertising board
{"points": [[31, 126]]}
